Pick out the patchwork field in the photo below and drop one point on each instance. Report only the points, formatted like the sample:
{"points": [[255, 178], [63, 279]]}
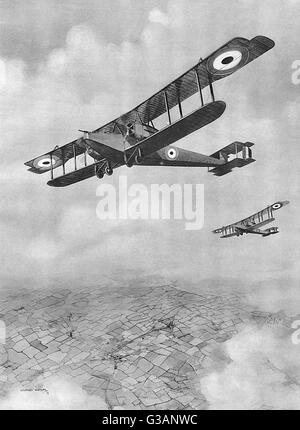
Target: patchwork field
{"points": [[131, 347]]}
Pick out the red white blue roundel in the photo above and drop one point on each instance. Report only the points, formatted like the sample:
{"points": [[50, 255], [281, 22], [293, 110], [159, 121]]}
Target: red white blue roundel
{"points": [[277, 205], [226, 61], [172, 153], [44, 162]]}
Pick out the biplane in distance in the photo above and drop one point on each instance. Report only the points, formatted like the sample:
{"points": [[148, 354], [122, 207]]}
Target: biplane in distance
{"points": [[134, 139], [253, 223]]}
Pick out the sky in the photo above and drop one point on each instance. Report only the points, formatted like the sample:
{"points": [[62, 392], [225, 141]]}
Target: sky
{"points": [[69, 65]]}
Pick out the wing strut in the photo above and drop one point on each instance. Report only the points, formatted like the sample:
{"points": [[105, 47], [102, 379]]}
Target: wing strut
{"points": [[179, 102], [167, 107], [63, 160], [211, 88], [74, 155], [199, 86], [51, 163]]}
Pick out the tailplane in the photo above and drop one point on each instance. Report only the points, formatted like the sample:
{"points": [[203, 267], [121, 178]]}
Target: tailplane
{"points": [[236, 154], [271, 230]]}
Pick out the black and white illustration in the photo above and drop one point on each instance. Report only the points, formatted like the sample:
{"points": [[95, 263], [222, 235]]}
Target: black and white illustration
{"points": [[135, 135]]}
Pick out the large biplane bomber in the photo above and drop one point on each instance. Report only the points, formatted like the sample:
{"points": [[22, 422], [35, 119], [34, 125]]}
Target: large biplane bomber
{"points": [[135, 138], [253, 223]]}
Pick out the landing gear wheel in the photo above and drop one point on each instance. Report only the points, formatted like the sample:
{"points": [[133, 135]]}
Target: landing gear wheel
{"points": [[109, 171], [99, 174], [138, 159]]}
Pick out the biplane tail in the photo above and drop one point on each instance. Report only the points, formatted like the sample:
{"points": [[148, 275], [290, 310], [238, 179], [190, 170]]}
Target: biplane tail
{"points": [[236, 154], [268, 231]]}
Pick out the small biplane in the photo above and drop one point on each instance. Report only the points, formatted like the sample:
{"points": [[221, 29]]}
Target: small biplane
{"points": [[253, 223], [133, 138]]}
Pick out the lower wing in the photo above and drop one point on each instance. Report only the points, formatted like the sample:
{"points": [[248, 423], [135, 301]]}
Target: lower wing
{"points": [[73, 177]]}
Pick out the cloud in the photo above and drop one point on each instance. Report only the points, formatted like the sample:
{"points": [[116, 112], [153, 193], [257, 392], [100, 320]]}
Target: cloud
{"points": [[261, 371], [12, 76], [56, 393], [275, 295], [88, 76], [79, 224], [43, 248], [156, 15]]}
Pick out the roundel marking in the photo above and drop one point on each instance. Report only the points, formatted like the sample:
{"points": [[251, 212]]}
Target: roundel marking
{"points": [[172, 153], [277, 205], [44, 162], [227, 61]]}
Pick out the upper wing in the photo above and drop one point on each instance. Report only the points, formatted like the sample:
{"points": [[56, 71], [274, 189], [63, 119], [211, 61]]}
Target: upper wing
{"points": [[55, 158], [254, 221], [221, 63]]}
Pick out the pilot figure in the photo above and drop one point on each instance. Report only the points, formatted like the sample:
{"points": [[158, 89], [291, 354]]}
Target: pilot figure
{"points": [[130, 136]]}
